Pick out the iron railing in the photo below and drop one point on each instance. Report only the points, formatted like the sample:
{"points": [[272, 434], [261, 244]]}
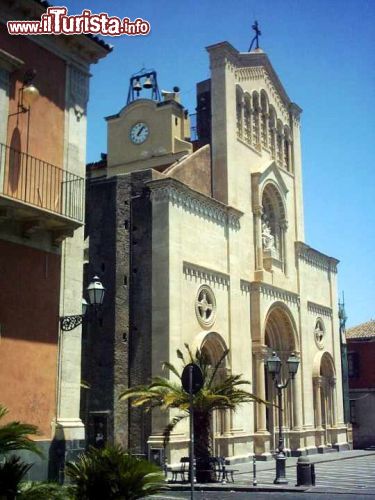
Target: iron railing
{"points": [[41, 184]]}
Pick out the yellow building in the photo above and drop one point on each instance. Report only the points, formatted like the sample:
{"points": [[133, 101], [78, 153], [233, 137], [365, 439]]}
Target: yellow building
{"points": [[208, 249]]}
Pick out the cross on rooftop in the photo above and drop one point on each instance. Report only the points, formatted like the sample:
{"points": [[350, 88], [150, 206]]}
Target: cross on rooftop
{"points": [[255, 27]]}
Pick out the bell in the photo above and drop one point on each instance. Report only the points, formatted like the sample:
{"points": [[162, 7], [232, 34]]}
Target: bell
{"points": [[148, 83], [137, 86]]}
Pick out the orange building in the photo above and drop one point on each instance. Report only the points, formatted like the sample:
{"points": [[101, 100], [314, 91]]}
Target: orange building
{"points": [[361, 354], [42, 164]]}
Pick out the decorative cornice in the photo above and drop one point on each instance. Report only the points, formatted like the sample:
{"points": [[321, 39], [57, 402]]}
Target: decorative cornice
{"points": [[319, 309], [260, 73], [205, 274], [245, 286], [275, 293], [315, 258], [177, 193], [261, 352], [8, 62]]}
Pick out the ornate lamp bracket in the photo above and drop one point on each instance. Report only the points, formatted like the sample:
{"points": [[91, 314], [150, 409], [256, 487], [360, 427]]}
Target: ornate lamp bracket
{"points": [[68, 323]]}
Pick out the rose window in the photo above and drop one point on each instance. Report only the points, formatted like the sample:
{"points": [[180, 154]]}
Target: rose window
{"points": [[319, 333], [205, 306]]}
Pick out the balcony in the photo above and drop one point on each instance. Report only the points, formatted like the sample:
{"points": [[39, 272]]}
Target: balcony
{"points": [[39, 194]]}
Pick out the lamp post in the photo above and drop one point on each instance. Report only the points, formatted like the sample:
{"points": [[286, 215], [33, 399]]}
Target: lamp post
{"points": [[274, 368], [96, 293]]}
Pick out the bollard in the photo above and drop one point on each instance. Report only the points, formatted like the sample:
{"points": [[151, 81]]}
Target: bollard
{"points": [[254, 471], [305, 472]]}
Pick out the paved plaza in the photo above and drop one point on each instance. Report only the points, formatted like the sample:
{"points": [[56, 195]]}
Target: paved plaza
{"points": [[338, 475]]}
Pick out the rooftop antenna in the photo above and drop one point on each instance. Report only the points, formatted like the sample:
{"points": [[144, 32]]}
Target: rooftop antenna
{"points": [[255, 40]]}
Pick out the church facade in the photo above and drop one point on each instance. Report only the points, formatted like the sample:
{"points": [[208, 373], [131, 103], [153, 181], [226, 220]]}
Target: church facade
{"points": [[203, 243]]}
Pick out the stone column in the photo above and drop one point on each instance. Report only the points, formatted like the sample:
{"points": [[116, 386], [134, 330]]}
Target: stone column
{"points": [[334, 401], [260, 356], [283, 229], [318, 402], [240, 119], [258, 211], [297, 403]]}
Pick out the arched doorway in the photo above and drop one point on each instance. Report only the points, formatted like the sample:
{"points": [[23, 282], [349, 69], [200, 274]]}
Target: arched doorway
{"points": [[325, 404], [281, 337], [213, 347]]}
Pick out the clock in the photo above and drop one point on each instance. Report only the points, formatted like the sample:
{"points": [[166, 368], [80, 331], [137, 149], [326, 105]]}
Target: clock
{"points": [[139, 133]]}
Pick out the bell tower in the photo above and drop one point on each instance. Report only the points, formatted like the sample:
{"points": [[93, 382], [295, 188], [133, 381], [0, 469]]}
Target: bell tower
{"points": [[148, 132], [254, 126]]}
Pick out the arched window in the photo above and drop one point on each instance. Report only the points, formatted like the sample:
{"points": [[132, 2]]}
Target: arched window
{"points": [[272, 132], [286, 148], [256, 124], [264, 115], [239, 106], [279, 143], [247, 119]]}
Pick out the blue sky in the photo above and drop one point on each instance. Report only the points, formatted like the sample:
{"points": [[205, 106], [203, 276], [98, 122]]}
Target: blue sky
{"points": [[324, 53]]}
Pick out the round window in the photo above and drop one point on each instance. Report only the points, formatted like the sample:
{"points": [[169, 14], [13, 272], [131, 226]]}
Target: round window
{"points": [[205, 306], [319, 334]]}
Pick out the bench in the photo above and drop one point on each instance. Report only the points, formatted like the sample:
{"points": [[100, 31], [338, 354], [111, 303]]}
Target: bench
{"points": [[222, 472]]}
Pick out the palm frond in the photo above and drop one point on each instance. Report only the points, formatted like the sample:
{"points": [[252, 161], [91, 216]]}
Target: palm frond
{"points": [[217, 366], [3, 411], [190, 353], [171, 368], [15, 436], [169, 428], [180, 356]]}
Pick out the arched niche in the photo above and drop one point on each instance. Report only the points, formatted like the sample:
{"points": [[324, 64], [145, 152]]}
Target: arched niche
{"points": [[274, 226], [213, 346], [325, 398]]}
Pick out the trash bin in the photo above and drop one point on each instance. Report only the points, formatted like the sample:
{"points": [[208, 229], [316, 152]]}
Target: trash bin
{"points": [[305, 472]]}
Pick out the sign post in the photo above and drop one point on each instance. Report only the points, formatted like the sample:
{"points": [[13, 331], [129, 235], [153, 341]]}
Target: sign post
{"points": [[192, 382]]}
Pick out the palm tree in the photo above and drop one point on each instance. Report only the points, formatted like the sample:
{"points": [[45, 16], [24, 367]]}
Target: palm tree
{"points": [[217, 393], [15, 436]]}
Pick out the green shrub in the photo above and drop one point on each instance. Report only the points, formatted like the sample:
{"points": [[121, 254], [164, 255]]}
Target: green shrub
{"points": [[112, 473], [12, 470], [43, 491]]}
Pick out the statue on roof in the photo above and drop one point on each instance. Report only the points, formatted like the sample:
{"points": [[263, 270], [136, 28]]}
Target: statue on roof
{"points": [[255, 40]]}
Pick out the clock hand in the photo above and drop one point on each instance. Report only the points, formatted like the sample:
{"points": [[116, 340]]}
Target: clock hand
{"points": [[140, 130]]}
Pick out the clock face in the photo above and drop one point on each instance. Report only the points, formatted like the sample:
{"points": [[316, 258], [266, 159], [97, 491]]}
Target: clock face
{"points": [[139, 133]]}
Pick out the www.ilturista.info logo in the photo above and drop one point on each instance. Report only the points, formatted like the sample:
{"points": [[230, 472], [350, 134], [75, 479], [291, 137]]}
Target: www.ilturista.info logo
{"points": [[57, 22]]}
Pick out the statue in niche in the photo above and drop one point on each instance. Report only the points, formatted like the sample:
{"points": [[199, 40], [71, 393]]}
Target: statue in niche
{"points": [[268, 239]]}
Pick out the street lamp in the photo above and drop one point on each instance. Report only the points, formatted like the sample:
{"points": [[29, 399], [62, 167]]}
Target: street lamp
{"points": [[96, 293], [274, 368]]}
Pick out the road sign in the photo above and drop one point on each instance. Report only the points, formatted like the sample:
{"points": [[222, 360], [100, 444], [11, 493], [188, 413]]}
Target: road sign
{"points": [[197, 378]]}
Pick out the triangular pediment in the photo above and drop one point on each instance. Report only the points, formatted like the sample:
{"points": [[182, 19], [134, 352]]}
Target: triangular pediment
{"points": [[255, 66], [272, 172], [259, 59]]}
